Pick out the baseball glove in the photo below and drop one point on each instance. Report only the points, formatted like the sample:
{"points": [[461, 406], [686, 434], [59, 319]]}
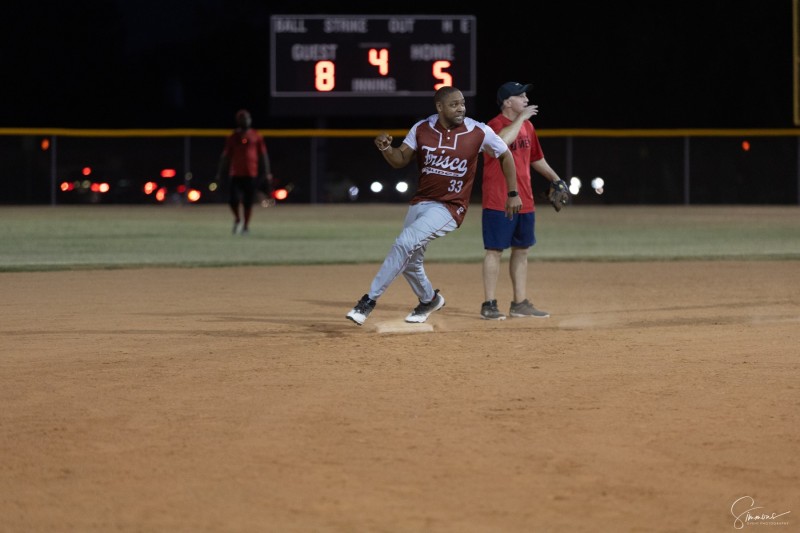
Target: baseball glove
{"points": [[558, 194]]}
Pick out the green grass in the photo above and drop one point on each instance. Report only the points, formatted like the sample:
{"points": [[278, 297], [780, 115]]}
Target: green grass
{"points": [[91, 237]]}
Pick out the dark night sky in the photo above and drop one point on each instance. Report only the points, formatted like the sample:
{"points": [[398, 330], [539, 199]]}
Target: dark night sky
{"points": [[165, 64]]}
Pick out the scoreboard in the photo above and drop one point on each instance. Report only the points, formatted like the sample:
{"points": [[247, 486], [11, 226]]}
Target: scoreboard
{"points": [[368, 65]]}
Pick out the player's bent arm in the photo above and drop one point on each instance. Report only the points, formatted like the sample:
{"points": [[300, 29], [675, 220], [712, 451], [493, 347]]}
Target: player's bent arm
{"points": [[510, 132], [398, 157]]}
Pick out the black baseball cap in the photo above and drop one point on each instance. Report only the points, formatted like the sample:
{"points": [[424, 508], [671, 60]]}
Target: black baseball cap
{"points": [[511, 88]]}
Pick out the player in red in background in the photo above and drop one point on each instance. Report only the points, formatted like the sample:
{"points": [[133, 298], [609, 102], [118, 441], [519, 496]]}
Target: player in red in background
{"points": [[500, 233], [244, 159], [446, 148]]}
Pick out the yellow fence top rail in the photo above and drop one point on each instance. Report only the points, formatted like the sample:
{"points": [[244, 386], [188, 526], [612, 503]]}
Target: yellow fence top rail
{"points": [[397, 133]]}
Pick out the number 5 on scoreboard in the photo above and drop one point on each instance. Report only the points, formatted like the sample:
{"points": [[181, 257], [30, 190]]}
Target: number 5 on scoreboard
{"points": [[440, 74]]}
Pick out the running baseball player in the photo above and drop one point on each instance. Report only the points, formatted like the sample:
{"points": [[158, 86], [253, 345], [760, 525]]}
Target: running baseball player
{"points": [[447, 146]]}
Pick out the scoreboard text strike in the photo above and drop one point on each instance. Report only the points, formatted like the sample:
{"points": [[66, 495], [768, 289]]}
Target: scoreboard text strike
{"points": [[395, 57]]}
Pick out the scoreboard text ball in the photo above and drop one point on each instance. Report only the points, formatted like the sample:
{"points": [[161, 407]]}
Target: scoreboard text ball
{"points": [[368, 64]]}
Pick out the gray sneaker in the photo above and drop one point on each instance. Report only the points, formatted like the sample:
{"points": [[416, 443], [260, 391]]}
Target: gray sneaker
{"points": [[489, 311], [361, 311], [423, 311], [526, 309]]}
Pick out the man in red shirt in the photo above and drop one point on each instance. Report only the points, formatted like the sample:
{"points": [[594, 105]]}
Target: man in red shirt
{"points": [[446, 147], [245, 160], [517, 233]]}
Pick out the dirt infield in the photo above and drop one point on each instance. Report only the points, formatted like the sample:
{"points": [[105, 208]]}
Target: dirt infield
{"points": [[658, 397]]}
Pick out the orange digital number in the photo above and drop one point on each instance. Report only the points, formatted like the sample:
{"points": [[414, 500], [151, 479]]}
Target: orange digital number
{"points": [[324, 76], [380, 59], [440, 74]]}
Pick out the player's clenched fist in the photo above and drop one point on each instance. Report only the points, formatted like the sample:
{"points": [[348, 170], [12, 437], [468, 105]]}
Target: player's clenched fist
{"points": [[383, 141]]}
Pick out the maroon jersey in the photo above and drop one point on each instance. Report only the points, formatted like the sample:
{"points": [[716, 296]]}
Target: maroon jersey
{"points": [[447, 160], [243, 148]]}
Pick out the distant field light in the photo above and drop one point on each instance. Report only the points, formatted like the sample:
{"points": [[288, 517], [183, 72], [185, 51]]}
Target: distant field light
{"points": [[280, 194], [168, 173], [401, 186], [86, 171], [150, 187], [45, 145], [193, 195], [67, 186], [598, 183], [746, 146], [212, 186], [352, 193], [575, 185], [161, 194], [376, 186]]}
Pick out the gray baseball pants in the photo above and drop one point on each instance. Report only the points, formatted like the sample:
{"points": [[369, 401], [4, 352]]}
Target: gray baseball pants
{"points": [[424, 222]]}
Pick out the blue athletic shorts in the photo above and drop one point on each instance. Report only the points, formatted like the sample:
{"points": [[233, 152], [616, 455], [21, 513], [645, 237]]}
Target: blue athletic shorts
{"points": [[500, 233]]}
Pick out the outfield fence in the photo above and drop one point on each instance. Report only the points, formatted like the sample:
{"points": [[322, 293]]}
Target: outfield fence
{"points": [[691, 166]]}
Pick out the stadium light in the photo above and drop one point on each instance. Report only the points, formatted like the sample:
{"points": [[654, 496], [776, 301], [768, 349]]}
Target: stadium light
{"points": [[575, 185], [597, 184]]}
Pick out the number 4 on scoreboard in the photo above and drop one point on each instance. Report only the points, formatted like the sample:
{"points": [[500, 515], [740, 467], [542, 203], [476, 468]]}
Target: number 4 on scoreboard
{"points": [[380, 59]]}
